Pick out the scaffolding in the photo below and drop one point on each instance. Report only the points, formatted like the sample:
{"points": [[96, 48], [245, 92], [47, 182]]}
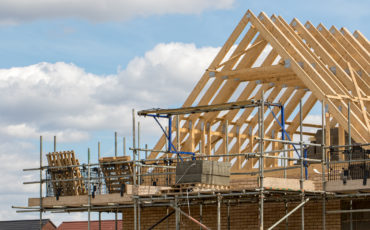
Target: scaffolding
{"points": [[327, 66], [97, 182]]}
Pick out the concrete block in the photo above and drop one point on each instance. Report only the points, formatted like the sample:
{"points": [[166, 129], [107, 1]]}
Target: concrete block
{"points": [[205, 172]]}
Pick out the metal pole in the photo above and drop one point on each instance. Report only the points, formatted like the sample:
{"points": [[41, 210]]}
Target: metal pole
{"points": [[261, 163], [286, 212], [100, 183], [228, 215], [200, 214], [40, 182], [301, 147], [55, 144], [115, 221], [88, 189], [124, 146], [134, 166], [99, 220], [290, 213], [138, 139], [350, 159], [177, 214], [146, 151], [139, 158], [323, 164], [115, 154], [190, 217], [178, 146], [227, 140], [218, 212], [115, 144], [139, 214], [282, 112]]}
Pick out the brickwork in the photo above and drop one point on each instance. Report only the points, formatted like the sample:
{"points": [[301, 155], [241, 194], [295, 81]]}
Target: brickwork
{"points": [[242, 216]]}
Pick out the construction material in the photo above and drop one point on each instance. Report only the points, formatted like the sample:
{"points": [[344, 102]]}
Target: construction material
{"points": [[117, 172], [64, 166], [203, 172]]}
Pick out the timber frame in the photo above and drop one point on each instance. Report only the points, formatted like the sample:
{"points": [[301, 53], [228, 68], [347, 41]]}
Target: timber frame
{"points": [[287, 63]]}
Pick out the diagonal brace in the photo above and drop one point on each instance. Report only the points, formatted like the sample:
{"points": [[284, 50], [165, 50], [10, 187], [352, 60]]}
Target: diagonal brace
{"points": [[190, 217]]}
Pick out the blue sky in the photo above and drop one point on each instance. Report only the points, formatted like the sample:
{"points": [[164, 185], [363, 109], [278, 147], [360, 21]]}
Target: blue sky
{"points": [[76, 70], [101, 46]]}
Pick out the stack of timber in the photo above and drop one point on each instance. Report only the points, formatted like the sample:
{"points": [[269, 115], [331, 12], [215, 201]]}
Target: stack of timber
{"points": [[65, 174], [117, 172]]}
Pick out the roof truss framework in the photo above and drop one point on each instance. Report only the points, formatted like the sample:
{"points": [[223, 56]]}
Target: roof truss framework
{"points": [[286, 62]]}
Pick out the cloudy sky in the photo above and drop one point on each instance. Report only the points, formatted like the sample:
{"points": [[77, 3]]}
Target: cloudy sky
{"points": [[76, 69]]}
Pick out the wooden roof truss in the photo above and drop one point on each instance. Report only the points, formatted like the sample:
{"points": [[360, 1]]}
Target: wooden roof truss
{"points": [[287, 62]]}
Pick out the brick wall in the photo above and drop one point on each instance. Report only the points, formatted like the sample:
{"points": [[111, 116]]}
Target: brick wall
{"points": [[243, 216]]}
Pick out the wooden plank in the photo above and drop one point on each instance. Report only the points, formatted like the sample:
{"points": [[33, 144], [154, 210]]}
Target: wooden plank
{"points": [[358, 64], [330, 57], [362, 40], [306, 77]]}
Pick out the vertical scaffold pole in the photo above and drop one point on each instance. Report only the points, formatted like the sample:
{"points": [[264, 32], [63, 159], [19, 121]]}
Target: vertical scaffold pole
{"points": [[115, 154], [200, 214], [218, 212], [177, 213], [124, 146], [301, 147], [178, 146], [283, 138], [40, 182], [88, 189], [55, 144], [350, 159], [227, 140], [228, 215], [323, 162], [99, 185], [134, 164], [261, 163]]}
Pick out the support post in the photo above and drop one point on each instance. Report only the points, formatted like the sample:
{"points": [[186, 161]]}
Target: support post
{"points": [[115, 144], [40, 182], [99, 220], [178, 145], [285, 154], [115, 221], [200, 214], [88, 189], [227, 140], [228, 215], [55, 144], [100, 182], [323, 164], [134, 164], [301, 148], [177, 214], [124, 146], [146, 151], [218, 212], [261, 163], [350, 159]]}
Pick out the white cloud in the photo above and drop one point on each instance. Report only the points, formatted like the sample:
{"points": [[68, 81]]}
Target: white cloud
{"points": [[64, 100], [15, 11]]}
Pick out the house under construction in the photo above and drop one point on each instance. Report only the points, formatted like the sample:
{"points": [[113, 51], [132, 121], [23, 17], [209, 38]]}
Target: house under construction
{"points": [[244, 151]]}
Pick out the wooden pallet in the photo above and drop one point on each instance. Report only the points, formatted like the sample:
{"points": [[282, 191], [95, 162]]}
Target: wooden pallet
{"points": [[116, 172], [65, 160]]}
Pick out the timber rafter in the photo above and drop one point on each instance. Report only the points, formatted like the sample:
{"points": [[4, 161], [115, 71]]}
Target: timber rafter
{"points": [[287, 62]]}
